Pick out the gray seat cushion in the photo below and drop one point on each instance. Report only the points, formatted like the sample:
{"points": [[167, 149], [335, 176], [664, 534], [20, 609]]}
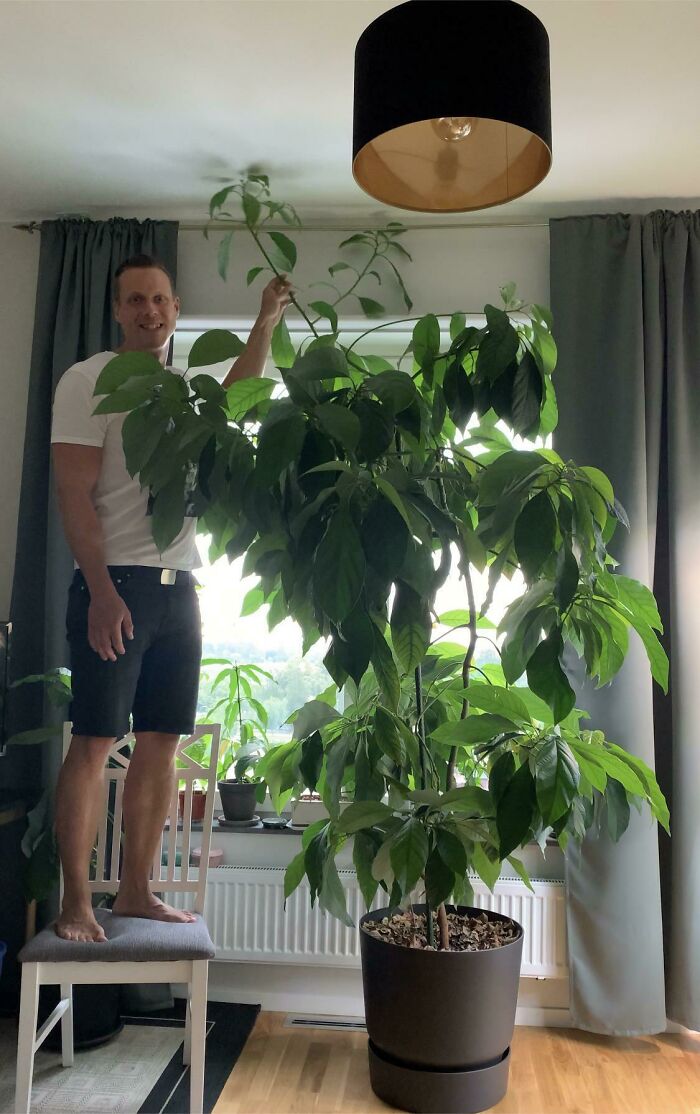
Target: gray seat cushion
{"points": [[131, 939]]}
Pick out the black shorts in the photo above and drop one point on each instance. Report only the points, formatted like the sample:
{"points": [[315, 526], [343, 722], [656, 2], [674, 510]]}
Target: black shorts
{"points": [[157, 678]]}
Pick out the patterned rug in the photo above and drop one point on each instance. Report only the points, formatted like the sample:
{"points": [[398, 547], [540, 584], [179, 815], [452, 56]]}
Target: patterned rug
{"points": [[140, 1071]]}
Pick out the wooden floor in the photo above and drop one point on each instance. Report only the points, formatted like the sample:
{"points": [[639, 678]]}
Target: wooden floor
{"points": [[554, 1071]]}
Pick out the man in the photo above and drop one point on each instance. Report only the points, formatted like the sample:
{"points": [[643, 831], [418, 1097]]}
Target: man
{"points": [[133, 619]]}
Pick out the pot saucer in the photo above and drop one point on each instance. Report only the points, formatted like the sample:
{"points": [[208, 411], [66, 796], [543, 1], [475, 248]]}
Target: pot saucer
{"points": [[237, 825]]}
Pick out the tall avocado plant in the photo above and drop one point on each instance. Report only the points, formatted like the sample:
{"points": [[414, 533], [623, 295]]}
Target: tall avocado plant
{"points": [[351, 487]]}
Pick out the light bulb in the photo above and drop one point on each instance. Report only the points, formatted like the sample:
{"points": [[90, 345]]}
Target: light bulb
{"points": [[452, 128]]}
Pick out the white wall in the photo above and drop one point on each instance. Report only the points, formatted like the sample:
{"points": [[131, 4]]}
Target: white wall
{"points": [[453, 269], [19, 262]]}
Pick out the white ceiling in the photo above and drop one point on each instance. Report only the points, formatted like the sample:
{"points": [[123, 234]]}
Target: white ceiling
{"points": [[143, 107]]}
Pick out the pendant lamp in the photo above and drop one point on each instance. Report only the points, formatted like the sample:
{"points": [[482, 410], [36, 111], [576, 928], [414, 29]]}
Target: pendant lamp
{"points": [[452, 105]]}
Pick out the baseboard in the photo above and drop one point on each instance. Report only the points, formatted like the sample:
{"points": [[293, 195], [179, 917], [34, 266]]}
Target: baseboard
{"points": [[295, 989]]}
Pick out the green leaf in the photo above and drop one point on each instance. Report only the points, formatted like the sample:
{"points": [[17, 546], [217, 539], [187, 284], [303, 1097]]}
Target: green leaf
{"points": [[459, 394], [547, 679], [514, 813], [245, 394], [566, 583], [499, 347], [487, 869], [376, 428], [393, 496], [385, 671], [388, 737], [339, 423], [252, 601], [363, 814], [363, 852], [251, 209], [339, 567], [600, 482], [617, 810], [452, 851], [168, 511], [639, 600], [468, 798], [535, 531], [283, 353], [213, 347], [511, 469], [556, 776], [282, 251], [439, 879], [253, 274], [474, 729], [410, 626], [294, 874], [527, 395], [521, 871], [135, 391], [324, 309], [370, 308], [326, 362], [223, 253], [124, 367], [426, 339], [332, 895], [385, 538], [395, 389], [648, 779], [409, 853], [279, 444], [458, 323], [354, 643], [141, 434], [498, 700]]}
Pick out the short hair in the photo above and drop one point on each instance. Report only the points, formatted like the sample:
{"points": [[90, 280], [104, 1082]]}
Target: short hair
{"points": [[135, 262]]}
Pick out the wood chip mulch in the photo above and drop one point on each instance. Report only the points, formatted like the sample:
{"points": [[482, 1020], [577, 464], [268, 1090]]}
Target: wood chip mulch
{"points": [[467, 933]]}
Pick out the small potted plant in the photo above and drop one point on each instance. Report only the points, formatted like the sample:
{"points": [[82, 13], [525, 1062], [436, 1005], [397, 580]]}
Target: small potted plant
{"points": [[241, 793]]}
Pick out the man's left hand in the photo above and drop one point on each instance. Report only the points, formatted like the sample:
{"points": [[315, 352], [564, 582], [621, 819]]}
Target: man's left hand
{"points": [[276, 296]]}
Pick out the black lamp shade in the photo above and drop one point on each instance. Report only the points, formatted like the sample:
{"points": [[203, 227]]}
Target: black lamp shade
{"points": [[427, 67]]}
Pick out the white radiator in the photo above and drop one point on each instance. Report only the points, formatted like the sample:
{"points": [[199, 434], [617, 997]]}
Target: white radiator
{"points": [[247, 920]]}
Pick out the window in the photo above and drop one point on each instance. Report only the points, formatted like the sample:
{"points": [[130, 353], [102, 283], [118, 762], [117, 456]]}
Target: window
{"points": [[246, 638]]}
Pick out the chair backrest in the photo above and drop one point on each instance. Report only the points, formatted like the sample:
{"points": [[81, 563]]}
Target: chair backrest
{"points": [[169, 877]]}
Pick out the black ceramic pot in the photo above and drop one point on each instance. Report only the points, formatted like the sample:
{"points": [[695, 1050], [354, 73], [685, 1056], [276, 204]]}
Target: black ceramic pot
{"points": [[238, 799], [439, 1023], [97, 1014]]}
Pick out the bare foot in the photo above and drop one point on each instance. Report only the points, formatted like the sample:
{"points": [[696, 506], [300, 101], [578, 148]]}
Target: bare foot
{"points": [[152, 907], [79, 924]]}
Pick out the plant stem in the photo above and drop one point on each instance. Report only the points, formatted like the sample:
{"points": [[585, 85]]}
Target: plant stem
{"points": [[429, 926], [276, 272], [420, 724], [444, 928], [466, 665]]}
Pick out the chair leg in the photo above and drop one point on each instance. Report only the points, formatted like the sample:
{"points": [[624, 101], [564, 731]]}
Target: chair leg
{"points": [[187, 1046], [67, 1026], [28, 1011], [198, 1028]]}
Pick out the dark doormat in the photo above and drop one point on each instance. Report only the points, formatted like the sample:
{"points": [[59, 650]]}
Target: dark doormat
{"points": [[228, 1027]]}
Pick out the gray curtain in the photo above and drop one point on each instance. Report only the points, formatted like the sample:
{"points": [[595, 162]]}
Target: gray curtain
{"points": [[73, 320], [625, 294]]}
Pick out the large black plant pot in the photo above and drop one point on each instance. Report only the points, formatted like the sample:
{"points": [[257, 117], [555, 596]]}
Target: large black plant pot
{"points": [[439, 1023], [97, 1016]]}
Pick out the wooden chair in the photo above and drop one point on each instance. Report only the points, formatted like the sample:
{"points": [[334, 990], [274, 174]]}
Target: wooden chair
{"points": [[137, 950]]}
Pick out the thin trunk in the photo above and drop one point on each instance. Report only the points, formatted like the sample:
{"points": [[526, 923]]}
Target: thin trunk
{"points": [[444, 929]]}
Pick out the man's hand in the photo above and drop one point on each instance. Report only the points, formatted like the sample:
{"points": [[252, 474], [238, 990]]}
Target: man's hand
{"points": [[107, 615], [276, 296]]}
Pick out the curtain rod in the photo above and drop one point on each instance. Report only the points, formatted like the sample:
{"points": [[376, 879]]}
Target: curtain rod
{"points": [[223, 226]]}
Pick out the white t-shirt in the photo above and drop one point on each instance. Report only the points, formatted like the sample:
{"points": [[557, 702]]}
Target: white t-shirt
{"points": [[122, 507]]}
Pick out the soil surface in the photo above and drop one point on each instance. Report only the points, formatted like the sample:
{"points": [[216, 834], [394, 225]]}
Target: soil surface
{"points": [[467, 933]]}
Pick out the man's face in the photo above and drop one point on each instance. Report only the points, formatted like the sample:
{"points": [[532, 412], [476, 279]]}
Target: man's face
{"points": [[146, 309]]}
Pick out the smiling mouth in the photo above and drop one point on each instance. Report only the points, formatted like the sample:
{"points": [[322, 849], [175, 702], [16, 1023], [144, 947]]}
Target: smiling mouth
{"points": [[151, 328]]}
